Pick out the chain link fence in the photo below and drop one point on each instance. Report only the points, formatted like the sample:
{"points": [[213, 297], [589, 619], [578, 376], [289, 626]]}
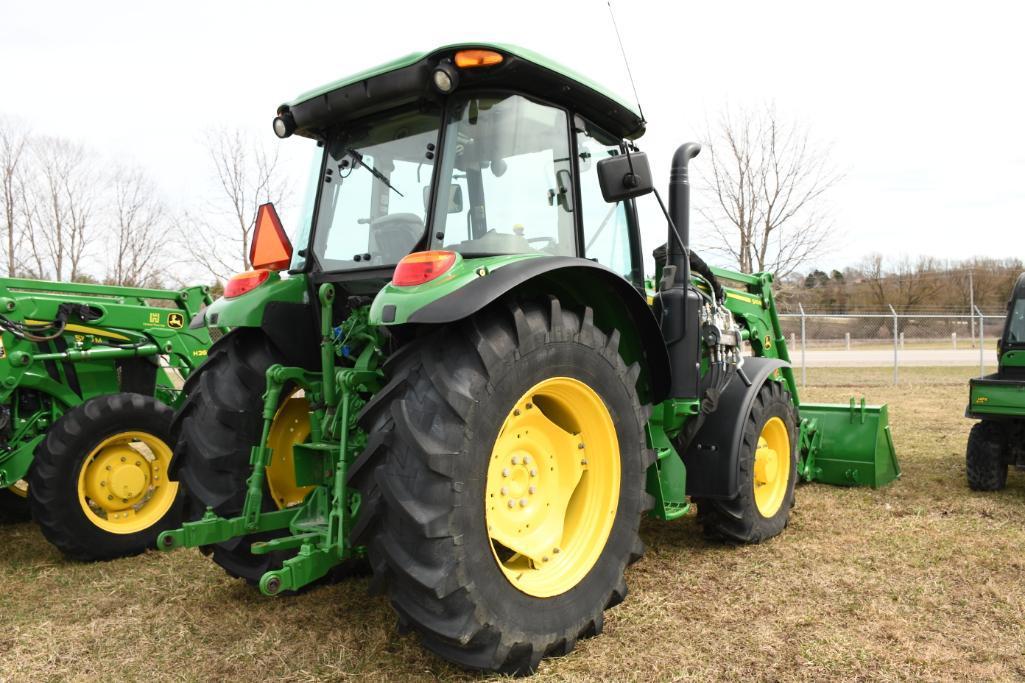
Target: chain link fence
{"points": [[894, 341]]}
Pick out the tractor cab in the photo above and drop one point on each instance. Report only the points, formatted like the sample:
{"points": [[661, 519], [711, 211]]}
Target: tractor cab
{"points": [[475, 150]]}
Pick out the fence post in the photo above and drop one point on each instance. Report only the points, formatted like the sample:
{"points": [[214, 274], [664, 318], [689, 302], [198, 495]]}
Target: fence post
{"points": [[982, 343], [953, 339], [847, 339], [901, 341], [804, 344], [896, 333]]}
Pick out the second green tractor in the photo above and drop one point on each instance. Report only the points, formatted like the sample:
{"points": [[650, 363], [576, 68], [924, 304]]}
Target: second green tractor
{"points": [[462, 382]]}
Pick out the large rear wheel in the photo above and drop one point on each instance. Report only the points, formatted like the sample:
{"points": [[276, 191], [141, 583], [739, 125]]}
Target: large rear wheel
{"points": [[503, 484]]}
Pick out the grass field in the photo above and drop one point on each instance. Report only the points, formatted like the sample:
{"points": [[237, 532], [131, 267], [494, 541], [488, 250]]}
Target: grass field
{"points": [[921, 580]]}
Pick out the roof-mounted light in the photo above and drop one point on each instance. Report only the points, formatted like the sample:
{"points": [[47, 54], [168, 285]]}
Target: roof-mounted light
{"points": [[471, 59], [445, 77], [284, 124]]}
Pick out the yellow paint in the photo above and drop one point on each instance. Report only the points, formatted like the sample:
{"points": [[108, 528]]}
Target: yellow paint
{"points": [[552, 487], [982, 399], [84, 329], [19, 488], [291, 425], [123, 486], [772, 467], [200, 352], [743, 297]]}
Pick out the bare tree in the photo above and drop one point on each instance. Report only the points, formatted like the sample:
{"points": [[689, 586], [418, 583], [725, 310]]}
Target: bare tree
{"points": [[138, 224], [14, 139], [247, 175], [60, 198], [763, 189]]}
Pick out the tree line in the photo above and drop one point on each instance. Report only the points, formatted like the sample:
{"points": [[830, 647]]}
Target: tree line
{"points": [[69, 214], [910, 285]]}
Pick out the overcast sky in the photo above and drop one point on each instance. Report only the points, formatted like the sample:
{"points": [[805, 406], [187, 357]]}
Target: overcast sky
{"points": [[922, 103]]}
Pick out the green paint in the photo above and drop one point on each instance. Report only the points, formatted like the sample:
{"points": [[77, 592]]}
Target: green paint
{"points": [[414, 57], [247, 310]]}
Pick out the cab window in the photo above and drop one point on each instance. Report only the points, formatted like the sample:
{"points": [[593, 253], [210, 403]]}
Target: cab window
{"points": [[606, 231], [506, 179]]}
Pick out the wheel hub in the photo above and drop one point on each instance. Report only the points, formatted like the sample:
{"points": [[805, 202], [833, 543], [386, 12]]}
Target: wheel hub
{"points": [[122, 486], [548, 515], [771, 473]]}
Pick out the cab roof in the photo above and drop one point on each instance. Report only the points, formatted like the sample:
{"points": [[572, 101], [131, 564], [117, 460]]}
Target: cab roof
{"points": [[408, 79]]}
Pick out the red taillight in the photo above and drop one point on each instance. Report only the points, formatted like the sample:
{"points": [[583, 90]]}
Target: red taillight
{"points": [[422, 266], [245, 282]]}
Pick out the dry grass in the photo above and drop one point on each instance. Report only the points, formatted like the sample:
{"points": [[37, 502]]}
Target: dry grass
{"points": [[920, 580]]}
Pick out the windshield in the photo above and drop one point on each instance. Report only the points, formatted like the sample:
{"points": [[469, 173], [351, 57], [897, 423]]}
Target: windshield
{"points": [[506, 179], [375, 191]]}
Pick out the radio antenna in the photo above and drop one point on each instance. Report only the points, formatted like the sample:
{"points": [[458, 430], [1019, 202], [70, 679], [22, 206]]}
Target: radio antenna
{"points": [[629, 73]]}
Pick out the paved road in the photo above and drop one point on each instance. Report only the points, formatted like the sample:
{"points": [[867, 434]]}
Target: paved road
{"points": [[860, 358]]}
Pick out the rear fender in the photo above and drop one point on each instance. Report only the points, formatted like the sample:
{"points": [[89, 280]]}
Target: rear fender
{"points": [[575, 281]]}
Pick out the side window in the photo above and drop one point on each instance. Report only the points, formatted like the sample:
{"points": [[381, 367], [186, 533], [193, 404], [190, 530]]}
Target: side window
{"points": [[606, 232]]}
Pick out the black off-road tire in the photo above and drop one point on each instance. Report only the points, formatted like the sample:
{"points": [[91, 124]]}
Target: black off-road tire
{"points": [[53, 477], [214, 431], [738, 519], [13, 508], [986, 456], [422, 478]]}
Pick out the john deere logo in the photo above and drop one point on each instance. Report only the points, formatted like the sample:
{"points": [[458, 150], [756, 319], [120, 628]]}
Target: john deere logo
{"points": [[175, 320]]}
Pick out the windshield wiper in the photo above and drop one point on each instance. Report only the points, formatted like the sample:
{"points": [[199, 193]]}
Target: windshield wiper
{"points": [[377, 174]]}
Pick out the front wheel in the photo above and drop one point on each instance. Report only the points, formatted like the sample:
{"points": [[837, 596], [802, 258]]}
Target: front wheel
{"points": [[99, 485], [767, 473], [503, 484]]}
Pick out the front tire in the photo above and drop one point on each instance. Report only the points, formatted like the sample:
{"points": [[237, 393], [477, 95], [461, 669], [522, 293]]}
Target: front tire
{"points": [[471, 418], [98, 485], [985, 457], [767, 474]]}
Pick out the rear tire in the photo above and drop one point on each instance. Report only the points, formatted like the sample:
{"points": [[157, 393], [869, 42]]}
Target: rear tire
{"points": [[425, 483], [215, 430], [55, 479], [740, 519], [985, 457]]}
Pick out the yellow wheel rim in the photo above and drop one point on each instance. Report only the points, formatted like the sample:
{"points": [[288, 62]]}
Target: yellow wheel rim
{"points": [[552, 487], [123, 486], [20, 488], [291, 425], [772, 467]]}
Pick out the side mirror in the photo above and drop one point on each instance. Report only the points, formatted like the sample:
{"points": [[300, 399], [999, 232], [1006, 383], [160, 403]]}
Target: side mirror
{"points": [[455, 198], [622, 177]]}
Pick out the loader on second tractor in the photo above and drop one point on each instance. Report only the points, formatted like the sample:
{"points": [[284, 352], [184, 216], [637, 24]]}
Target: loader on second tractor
{"points": [[997, 401], [89, 377], [461, 379]]}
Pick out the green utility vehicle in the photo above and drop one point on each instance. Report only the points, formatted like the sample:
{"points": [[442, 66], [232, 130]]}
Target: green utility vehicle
{"points": [[998, 402], [89, 376], [461, 379]]}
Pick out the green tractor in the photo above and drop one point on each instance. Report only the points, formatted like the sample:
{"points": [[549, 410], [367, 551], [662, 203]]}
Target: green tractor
{"points": [[998, 402], [89, 377], [462, 383]]}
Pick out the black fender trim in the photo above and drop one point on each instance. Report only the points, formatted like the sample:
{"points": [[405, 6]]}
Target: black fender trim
{"points": [[483, 291], [713, 458]]}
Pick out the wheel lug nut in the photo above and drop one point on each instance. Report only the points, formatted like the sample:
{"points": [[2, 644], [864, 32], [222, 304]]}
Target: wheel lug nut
{"points": [[583, 462], [580, 446], [556, 551], [533, 472], [532, 490], [103, 483], [516, 460], [124, 459], [505, 471], [544, 559], [138, 464], [512, 503], [529, 406], [523, 502], [526, 460], [110, 497], [505, 490]]}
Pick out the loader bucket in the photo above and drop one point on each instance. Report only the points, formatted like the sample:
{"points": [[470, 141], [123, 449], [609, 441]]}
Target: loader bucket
{"points": [[847, 445]]}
